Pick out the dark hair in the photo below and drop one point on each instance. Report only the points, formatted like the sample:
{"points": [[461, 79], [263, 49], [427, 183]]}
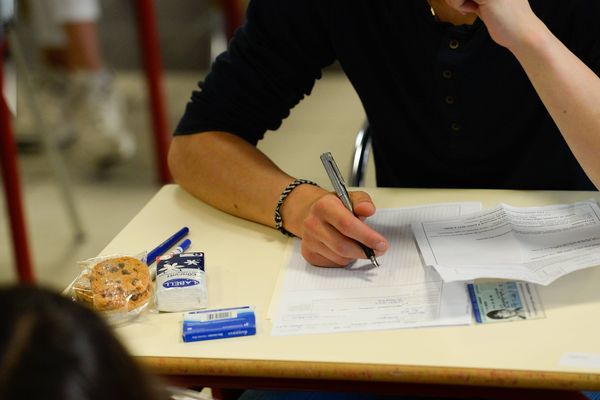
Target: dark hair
{"points": [[499, 313], [53, 348], [495, 314]]}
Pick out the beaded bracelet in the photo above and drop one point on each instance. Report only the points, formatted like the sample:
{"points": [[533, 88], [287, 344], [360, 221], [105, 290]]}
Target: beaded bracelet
{"points": [[288, 189]]}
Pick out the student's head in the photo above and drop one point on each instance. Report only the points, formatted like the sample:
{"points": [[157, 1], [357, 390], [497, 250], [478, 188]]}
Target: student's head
{"points": [[52, 348]]}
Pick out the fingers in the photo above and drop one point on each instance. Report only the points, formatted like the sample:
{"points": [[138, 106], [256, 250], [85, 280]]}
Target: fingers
{"points": [[320, 255], [463, 6], [362, 204], [331, 232], [509, 22]]}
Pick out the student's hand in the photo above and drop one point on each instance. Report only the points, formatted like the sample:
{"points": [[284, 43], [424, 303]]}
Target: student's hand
{"points": [[509, 22], [330, 231]]}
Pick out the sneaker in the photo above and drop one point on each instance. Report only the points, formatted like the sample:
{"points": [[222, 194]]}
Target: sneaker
{"points": [[49, 91], [97, 108]]}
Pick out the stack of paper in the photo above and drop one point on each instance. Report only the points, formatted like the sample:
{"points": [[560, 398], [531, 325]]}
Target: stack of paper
{"points": [[401, 293], [534, 244]]}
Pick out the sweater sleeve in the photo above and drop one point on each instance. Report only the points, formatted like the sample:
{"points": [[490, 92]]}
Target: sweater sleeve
{"points": [[270, 65]]}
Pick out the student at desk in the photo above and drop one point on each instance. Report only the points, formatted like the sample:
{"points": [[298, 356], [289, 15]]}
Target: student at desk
{"points": [[476, 94]]}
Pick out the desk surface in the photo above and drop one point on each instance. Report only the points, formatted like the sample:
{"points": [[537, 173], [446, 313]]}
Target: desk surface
{"points": [[243, 260]]}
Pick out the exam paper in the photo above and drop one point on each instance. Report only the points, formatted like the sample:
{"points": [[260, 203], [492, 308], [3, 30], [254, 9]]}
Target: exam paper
{"points": [[534, 244], [401, 293]]}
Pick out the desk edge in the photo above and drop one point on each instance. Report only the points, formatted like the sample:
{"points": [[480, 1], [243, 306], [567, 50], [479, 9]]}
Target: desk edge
{"points": [[175, 366]]}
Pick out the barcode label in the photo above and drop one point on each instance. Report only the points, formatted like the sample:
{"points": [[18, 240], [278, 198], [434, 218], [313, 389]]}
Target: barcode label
{"points": [[221, 315], [212, 316]]}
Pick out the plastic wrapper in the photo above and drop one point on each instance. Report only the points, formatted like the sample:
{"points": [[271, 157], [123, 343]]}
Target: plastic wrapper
{"points": [[118, 287]]}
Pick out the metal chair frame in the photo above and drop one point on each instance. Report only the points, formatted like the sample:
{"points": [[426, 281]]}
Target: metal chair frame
{"points": [[360, 157]]}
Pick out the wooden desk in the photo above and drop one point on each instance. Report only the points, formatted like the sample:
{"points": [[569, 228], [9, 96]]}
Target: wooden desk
{"points": [[243, 261]]}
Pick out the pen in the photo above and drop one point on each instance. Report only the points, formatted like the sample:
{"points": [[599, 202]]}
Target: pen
{"points": [[182, 247], [166, 245], [340, 189]]}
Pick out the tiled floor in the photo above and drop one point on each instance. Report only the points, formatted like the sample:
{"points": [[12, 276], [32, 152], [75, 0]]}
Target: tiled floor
{"points": [[325, 121]]}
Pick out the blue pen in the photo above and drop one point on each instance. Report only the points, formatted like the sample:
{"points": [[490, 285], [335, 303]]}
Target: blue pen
{"points": [[166, 245], [182, 247]]}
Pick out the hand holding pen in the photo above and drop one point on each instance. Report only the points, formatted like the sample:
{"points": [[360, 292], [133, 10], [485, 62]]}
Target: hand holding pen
{"points": [[345, 228]]}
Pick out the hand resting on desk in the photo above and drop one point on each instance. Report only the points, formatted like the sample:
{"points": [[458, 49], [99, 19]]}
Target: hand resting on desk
{"points": [[330, 232]]}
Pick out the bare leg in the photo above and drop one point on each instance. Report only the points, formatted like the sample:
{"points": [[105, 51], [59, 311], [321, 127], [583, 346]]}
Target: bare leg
{"points": [[88, 106], [83, 47]]}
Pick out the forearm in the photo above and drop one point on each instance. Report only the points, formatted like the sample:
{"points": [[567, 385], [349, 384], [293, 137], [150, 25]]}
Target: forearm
{"points": [[230, 174], [569, 90], [226, 172]]}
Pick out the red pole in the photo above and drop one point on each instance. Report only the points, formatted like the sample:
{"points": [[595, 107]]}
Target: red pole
{"points": [[12, 185], [150, 49], [233, 10]]}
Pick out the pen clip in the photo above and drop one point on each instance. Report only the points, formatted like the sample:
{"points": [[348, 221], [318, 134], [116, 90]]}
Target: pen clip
{"points": [[336, 170]]}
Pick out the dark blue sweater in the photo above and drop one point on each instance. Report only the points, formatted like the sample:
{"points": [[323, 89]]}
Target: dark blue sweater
{"points": [[448, 107]]}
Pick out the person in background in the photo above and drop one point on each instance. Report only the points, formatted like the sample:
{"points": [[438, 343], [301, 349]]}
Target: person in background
{"points": [[458, 94], [53, 348], [76, 90]]}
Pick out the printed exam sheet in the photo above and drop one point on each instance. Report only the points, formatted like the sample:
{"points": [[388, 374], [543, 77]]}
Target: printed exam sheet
{"points": [[401, 293], [534, 244]]}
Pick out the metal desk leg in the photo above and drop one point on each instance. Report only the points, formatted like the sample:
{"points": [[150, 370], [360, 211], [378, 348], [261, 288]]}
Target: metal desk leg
{"points": [[56, 162], [149, 44], [12, 186]]}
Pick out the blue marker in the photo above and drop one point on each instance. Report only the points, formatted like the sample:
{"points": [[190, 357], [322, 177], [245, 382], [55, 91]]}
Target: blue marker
{"points": [[166, 245]]}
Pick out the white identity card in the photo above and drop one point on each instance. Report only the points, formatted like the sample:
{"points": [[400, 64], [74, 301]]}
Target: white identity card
{"points": [[504, 301]]}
